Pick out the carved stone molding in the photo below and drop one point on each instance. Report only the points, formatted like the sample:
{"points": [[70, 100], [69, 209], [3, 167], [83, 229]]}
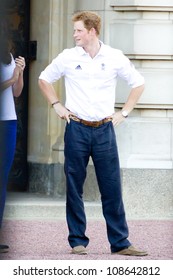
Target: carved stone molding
{"points": [[142, 5]]}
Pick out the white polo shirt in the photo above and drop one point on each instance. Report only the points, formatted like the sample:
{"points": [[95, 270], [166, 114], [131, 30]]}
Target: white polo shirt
{"points": [[91, 82]]}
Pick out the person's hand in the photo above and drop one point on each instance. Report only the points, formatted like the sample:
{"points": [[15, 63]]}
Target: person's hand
{"points": [[62, 112], [117, 118], [20, 62]]}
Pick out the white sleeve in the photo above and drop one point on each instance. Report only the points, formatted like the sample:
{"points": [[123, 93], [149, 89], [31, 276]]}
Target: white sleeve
{"points": [[129, 73], [54, 71]]}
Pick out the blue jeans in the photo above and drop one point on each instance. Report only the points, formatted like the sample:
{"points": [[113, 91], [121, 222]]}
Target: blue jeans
{"points": [[81, 142], [7, 150]]}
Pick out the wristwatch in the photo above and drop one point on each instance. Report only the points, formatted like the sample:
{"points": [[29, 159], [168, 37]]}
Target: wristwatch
{"points": [[124, 113]]}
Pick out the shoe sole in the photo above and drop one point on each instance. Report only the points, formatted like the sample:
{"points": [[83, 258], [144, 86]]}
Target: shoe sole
{"points": [[79, 253], [131, 254], [4, 251], [79, 250], [131, 251]]}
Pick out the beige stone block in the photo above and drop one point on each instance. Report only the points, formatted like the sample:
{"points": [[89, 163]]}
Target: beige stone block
{"points": [[142, 37], [153, 113], [171, 121], [89, 5], [158, 87], [151, 136], [170, 114], [156, 16], [145, 143]]}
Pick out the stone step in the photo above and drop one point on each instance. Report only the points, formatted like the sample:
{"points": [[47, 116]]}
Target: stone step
{"points": [[38, 206]]}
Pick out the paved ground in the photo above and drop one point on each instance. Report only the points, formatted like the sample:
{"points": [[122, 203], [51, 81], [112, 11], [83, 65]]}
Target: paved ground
{"points": [[47, 240]]}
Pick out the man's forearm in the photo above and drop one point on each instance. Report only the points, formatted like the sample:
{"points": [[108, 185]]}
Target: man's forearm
{"points": [[48, 91], [133, 98]]}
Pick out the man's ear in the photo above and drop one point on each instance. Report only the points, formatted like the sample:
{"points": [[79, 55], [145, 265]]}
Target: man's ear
{"points": [[93, 31]]}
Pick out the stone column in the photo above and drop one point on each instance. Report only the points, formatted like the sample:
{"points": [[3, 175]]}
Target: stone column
{"points": [[48, 26]]}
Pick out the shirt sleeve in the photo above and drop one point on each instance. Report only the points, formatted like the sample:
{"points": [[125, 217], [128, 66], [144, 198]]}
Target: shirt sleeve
{"points": [[54, 71], [128, 72]]}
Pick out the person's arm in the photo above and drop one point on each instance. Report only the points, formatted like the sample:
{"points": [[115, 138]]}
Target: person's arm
{"points": [[49, 93], [18, 85], [16, 81], [10, 82], [133, 98]]}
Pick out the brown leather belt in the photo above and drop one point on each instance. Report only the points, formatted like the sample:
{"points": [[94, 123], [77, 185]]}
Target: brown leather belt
{"points": [[90, 123]]}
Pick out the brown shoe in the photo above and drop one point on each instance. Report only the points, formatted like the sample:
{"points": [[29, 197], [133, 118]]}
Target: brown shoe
{"points": [[79, 250], [131, 251]]}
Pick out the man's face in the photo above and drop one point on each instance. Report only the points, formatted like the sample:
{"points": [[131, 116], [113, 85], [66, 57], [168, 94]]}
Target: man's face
{"points": [[81, 35]]}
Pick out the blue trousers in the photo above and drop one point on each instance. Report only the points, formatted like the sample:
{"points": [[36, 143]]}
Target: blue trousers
{"points": [[7, 150], [81, 142]]}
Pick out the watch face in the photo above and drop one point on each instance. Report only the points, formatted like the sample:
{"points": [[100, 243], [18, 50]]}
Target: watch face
{"points": [[125, 114]]}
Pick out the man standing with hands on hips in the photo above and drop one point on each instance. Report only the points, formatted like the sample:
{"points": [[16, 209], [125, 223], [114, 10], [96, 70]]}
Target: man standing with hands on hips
{"points": [[91, 70]]}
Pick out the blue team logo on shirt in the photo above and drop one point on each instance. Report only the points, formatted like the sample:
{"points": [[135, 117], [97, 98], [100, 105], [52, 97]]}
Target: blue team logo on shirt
{"points": [[78, 67]]}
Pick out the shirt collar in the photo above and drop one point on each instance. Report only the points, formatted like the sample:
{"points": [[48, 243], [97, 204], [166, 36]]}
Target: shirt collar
{"points": [[102, 50], [80, 51]]}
